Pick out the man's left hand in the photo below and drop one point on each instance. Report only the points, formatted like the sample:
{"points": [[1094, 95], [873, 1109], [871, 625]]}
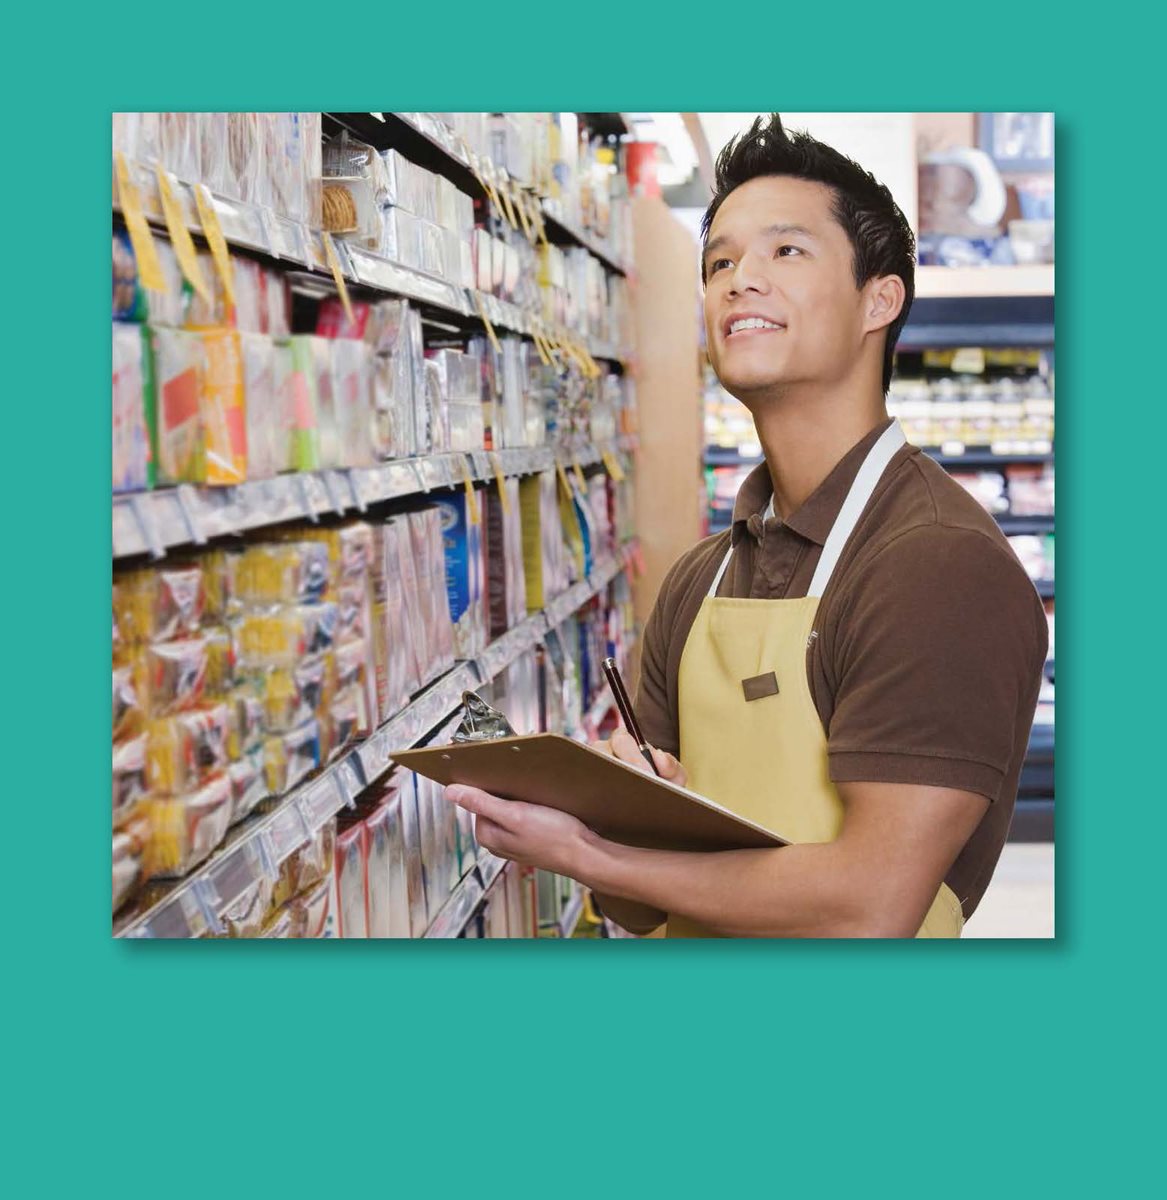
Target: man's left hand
{"points": [[529, 834]]}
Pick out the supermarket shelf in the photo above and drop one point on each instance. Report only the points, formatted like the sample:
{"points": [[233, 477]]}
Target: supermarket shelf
{"points": [[152, 522], [566, 230], [193, 905], [980, 458], [963, 282], [942, 322], [1012, 526], [729, 456], [466, 897], [251, 227]]}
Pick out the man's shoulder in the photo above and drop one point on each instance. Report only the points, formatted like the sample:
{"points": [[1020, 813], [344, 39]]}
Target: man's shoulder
{"points": [[693, 571]]}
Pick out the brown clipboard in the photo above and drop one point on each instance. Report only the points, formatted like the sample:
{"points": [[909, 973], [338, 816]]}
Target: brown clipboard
{"points": [[615, 800]]}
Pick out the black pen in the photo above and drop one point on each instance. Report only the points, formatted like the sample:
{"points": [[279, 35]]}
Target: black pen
{"points": [[626, 713]]}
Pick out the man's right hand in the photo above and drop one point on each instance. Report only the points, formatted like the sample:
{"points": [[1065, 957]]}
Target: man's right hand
{"points": [[623, 746]]}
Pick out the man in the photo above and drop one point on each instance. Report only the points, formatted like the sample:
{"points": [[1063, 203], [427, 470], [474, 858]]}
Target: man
{"points": [[856, 663]]}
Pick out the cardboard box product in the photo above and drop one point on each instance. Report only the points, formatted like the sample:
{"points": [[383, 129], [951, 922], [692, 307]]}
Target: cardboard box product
{"points": [[133, 398], [462, 552], [351, 882], [352, 372], [411, 838], [301, 423], [378, 832]]}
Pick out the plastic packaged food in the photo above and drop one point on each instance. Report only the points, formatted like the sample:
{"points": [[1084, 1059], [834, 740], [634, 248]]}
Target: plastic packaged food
{"points": [[178, 370], [301, 399], [351, 858], [292, 757], [241, 177], [220, 584], [132, 385], [184, 830], [380, 831], [263, 413], [293, 695], [172, 676], [128, 845], [352, 392], [309, 911], [247, 726], [128, 713], [154, 604], [129, 776], [220, 662], [186, 749], [345, 721], [245, 917], [282, 637], [180, 144], [248, 785], [223, 416], [308, 865], [284, 572], [279, 925]]}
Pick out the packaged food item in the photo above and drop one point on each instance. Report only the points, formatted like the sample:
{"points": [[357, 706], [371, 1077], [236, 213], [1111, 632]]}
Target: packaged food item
{"points": [[245, 917], [133, 463], [157, 603], [129, 776], [309, 911], [284, 572], [247, 727], [186, 749], [293, 152], [379, 831], [277, 299], [248, 784], [213, 311], [241, 175], [172, 676], [352, 391], [345, 720], [128, 713], [263, 413], [282, 637], [327, 404], [220, 679], [301, 421], [279, 925], [178, 369], [351, 861], [293, 695], [180, 145], [308, 865], [462, 546], [223, 416], [419, 916], [291, 757], [185, 829], [129, 867]]}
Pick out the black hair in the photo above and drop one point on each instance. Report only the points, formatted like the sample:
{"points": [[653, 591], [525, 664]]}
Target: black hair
{"points": [[881, 238]]}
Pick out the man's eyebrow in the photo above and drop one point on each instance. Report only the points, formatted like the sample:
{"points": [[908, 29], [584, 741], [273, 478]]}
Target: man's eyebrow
{"points": [[770, 231]]}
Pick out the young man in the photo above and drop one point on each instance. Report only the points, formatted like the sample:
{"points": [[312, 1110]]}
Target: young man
{"points": [[856, 663]]}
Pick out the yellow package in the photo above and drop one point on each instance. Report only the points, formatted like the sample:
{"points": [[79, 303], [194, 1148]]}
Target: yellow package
{"points": [[224, 417], [307, 865], [220, 575], [248, 785], [343, 723], [293, 572], [283, 637], [128, 713], [155, 604], [171, 676], [350, 547], [291, 757], [185, 829], [220, 662], [246, 916], [246, 725], [129, 777], [293, 695], [184, 750]]}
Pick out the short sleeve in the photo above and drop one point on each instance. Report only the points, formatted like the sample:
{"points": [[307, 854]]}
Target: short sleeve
{"points": [[937, 651], [654, 710]]}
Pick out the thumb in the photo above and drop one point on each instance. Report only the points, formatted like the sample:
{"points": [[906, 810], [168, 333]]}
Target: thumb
{"points": [[665, 762]]}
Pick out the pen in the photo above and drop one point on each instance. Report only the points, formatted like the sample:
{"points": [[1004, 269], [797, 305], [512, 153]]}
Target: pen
{"points": [[626, 713]]}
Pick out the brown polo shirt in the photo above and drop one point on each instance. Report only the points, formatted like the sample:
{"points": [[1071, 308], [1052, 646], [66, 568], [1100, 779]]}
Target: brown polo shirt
{"points": [[931, 638]]}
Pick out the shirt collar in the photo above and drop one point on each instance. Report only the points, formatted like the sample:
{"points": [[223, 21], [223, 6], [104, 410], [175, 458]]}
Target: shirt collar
{"points": [[814, 518]]}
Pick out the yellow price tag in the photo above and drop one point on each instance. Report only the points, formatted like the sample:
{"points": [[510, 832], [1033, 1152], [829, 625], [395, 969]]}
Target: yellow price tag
{"points": [[213, 232], [564, 482], [501, 479], [579, 475], [472, 513], [522, 200], [338, 276], [506, 199], [541, 346], [613, 465], [180, 239], [145, 252], [486, 321]]}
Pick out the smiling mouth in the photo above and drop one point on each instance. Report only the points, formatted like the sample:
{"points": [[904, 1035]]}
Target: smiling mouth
{"points": [[743, 326]]}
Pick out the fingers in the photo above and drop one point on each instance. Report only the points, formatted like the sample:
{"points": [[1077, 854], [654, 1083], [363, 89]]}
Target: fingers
{"points": [[666, 764], [482, 804]]}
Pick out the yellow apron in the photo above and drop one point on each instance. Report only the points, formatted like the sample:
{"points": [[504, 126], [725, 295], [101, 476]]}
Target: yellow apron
{"points": [[765, 757]]}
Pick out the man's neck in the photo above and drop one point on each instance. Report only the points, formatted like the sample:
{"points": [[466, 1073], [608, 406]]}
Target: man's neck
{"points": [[804, 436]]}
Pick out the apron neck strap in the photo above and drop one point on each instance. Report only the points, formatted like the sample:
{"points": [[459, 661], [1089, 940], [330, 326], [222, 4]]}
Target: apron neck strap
{"points": [[869, 475]]}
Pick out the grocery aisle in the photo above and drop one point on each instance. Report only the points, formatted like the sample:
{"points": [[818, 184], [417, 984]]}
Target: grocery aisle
{"points": [[374, 445]]}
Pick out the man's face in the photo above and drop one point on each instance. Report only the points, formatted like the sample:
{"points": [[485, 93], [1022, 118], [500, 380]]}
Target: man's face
{"points": [[777, 259]]}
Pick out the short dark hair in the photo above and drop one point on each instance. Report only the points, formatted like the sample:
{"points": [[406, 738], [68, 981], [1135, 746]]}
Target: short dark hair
{"points": [[880, 236]]}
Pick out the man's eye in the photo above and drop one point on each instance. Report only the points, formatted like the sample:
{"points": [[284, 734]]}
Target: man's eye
{"points": [[718, 263], [782, 251]]}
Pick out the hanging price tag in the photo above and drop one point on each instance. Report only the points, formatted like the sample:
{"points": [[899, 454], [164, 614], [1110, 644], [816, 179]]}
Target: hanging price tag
{"points": [[180, 239], [472, 513], [564, 482], [541, 346], [506, 199], [145, 252], [521, 202], [501, 479], [579, 475], [338, 276], [213, 232], [613, 465], [486, 321]]}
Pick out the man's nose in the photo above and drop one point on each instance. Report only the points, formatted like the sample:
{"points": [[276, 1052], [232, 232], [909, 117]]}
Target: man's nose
{"points": [[748, 276]]}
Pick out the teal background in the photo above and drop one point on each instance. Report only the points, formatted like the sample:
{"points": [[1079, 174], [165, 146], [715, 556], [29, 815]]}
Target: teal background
{"points": [[715, 1069]]}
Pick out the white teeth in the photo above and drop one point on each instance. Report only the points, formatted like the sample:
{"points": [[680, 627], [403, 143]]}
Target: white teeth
{"points": [[752, 323]]}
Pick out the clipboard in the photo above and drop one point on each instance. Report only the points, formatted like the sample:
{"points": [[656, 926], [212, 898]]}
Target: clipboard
{"points": [[617, 801]]}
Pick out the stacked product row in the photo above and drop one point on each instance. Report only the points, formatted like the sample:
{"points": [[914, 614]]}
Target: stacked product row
{"points": [[206, 391]]}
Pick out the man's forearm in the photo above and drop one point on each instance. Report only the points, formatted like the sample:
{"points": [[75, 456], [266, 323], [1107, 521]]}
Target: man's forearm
{"points": [[791, 891]]}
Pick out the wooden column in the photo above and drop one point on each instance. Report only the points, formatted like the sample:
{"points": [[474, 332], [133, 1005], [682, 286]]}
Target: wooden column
{"points": [[670, 494]]}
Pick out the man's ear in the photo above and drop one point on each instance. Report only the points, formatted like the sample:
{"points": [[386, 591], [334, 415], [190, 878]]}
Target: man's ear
{"points": [[883, 301]]}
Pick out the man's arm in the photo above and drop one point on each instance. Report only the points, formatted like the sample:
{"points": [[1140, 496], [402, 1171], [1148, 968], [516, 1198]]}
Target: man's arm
{"points": [[877, 879]]}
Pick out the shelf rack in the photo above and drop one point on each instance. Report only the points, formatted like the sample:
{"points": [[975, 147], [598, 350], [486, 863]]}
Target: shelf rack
{"points": [[191, 906]]}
